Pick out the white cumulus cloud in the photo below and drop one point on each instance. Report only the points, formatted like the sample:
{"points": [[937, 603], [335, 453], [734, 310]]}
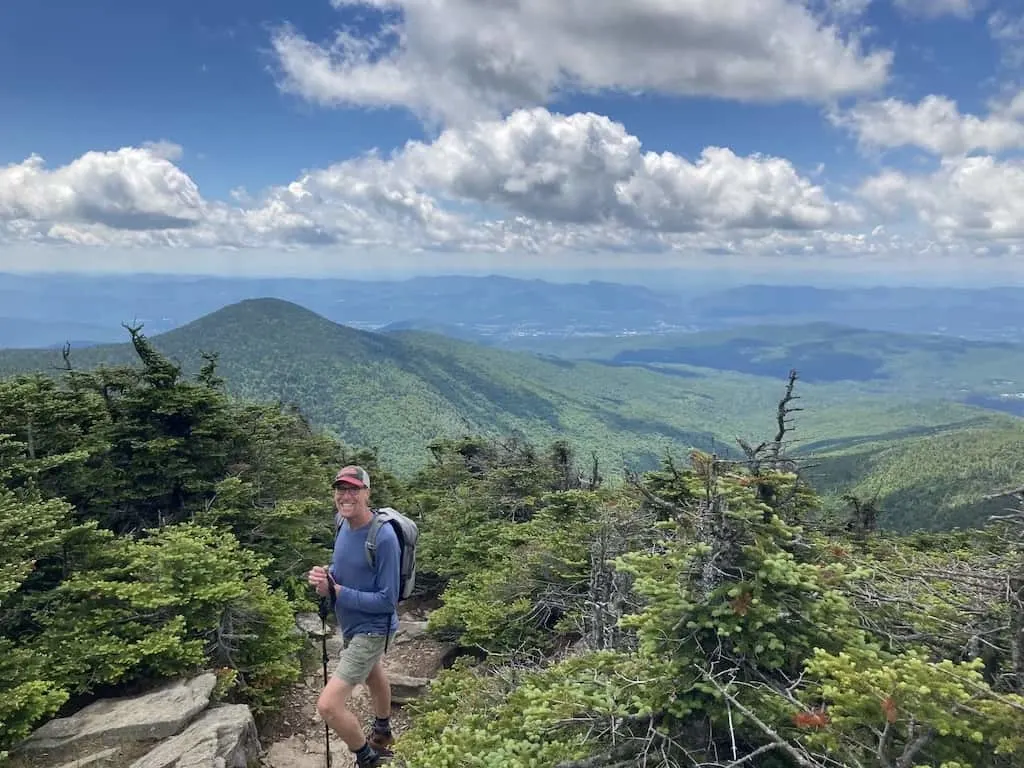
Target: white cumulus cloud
{"points": [[586, 169], [936, 124], [132, 188], [974, 197], [531, 181], [455, 60]]}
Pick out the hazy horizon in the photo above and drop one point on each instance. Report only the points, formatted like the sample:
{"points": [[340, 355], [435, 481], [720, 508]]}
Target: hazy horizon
{"points": [[734, 272]]}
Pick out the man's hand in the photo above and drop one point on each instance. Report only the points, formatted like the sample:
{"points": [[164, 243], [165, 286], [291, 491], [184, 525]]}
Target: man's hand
{"points": [[318, 578]]}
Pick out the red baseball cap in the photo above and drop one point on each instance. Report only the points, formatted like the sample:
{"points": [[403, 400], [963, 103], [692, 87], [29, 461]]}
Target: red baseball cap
{"points": [[353, 475]]}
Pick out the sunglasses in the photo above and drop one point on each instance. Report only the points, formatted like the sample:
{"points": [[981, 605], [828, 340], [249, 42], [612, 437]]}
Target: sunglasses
{"points": [[346, 489]]}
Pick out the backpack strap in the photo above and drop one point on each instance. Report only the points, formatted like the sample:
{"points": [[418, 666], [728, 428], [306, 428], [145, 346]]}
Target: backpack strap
{"points": [[371, 553], [371, 538]]}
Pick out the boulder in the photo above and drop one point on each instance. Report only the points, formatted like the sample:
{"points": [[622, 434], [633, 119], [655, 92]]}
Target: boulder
{"points": [[410, 630], [310, 624], [405, 688], [222, 737], [156, 715]]}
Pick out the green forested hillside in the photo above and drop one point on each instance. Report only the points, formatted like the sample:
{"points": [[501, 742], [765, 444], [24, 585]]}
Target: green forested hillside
{"points": [[935, 481], [399, 391]]}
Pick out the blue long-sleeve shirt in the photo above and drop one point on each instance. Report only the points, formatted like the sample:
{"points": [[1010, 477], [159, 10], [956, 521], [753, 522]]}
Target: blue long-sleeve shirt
{"points": [[367, 598]]}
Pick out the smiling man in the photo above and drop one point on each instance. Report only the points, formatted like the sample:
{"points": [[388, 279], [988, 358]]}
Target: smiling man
{"points": [[365, 599]]}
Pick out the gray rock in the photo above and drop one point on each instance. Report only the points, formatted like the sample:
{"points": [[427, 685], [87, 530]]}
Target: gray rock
{"points": [[410, 630], [104, 757], [294, 753], [112, 722], [405, 688], [223, 737], [310, 624]]}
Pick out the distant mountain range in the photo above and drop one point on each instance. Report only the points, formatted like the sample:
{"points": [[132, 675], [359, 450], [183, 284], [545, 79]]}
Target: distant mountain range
{"points": [[869, 397], [46, 310], [987, 313], [74, 306], [985, 373]]}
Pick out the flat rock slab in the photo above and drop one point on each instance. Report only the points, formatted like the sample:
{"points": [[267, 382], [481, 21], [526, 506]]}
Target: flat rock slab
{"points": [[156, 715], [405, 688], [104, 757], [294, 752], [410, 630], [223, 737]]}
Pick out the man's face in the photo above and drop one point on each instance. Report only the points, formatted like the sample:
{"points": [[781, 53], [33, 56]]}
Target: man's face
{"points": [[349, 499]]}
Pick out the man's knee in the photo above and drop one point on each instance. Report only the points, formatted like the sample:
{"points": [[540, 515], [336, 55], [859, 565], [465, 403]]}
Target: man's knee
{"points": [[333, 698]]}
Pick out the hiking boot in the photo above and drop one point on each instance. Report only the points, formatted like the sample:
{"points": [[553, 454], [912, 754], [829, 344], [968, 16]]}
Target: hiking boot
{"points": [[381, 741], [375, 759], [373, 762]]}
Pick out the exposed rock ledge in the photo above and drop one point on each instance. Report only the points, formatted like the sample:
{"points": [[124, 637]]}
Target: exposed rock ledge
{"points": [[176, 726], [173, 726]]}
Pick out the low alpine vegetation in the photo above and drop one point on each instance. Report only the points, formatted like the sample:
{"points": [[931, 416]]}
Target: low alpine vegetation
{"points": [[701, 615]]}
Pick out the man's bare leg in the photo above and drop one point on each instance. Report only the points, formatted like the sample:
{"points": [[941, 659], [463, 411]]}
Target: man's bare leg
{"points": [[380, 691], [333, 708]]}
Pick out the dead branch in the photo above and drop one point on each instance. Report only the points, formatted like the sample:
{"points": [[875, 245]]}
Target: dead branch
{"points": [[626, 729], [756, 753], [801, 758], [621, 757], [906, 759], [782, 415], [1018, 491]]}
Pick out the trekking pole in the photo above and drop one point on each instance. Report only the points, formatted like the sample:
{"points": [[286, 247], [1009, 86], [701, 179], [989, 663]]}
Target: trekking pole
{"points": [[323, 644]]}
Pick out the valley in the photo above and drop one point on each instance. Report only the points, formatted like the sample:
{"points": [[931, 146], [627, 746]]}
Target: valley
{"points": [[872, 401]]}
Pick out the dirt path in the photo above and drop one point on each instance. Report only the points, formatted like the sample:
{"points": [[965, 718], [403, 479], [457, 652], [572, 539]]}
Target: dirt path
{"points": [[294, 737]]}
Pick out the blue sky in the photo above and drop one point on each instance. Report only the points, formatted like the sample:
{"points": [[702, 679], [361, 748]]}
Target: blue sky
{"points": [[846, 135]]}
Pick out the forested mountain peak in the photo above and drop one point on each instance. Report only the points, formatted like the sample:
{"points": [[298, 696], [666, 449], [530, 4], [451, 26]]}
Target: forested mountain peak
{"points": [[271, 322]]}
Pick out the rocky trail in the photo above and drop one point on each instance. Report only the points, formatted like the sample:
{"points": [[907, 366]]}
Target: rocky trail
{"points": [[176, 726], [294, 738]]}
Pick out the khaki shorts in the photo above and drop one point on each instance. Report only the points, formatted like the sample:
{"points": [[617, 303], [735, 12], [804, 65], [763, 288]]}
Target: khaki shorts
{"points": [[358, 656]]}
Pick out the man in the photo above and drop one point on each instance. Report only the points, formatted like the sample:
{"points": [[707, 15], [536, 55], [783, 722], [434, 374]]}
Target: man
{"points": [[366, 609]]}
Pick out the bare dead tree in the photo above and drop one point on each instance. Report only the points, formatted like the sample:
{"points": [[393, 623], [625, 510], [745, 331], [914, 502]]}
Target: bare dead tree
{"points": [[864, 515], [595, 479], [609, 595], [772, 453], [772, 456], [783, 420]]}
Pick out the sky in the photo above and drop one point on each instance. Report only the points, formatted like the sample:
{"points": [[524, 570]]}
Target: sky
{"points": [[771, 137]]}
